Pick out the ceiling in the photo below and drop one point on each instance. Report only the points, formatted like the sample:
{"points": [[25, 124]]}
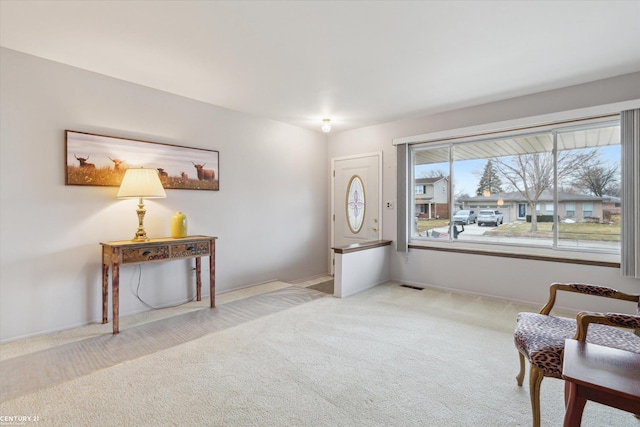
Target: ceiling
{"points": [[360, 63]]}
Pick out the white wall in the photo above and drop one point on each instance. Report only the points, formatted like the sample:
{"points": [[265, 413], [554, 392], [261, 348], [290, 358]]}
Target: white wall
{"points": [[514, 279], [269, 215], [360, 270]]}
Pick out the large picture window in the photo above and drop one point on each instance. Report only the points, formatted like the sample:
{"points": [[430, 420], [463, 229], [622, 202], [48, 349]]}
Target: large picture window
{"points": [[558, 189]]}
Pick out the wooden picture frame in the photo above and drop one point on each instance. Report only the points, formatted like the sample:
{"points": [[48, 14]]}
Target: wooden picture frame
{"points": [[100, 160]]}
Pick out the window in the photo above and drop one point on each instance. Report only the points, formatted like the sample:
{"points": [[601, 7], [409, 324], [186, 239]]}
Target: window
{"points": [[434, 206], [356, 204], [419, 189], [524, 175], [548, 208], [570, 210]]}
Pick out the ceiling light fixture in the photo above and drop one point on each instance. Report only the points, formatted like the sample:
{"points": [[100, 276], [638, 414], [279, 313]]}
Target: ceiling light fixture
{"points": [[326, 125]]}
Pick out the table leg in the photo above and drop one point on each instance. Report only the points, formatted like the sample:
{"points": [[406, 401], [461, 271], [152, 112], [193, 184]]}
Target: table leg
{"points": [[115, 291], [105, 293], [212, 272], [574, 405], [198, 279]]}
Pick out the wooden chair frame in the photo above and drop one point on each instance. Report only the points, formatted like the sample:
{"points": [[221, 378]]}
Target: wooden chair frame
{"points": [[619, 320], [536, 374]]}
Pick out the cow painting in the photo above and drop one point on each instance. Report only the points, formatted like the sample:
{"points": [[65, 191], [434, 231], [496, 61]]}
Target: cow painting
{"points": [[83, 162], [205, 174], [118, 164]]}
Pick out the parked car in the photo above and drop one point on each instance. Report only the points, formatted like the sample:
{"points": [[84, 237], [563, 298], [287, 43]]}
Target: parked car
{"points": [[464, 217], [490, 217]]}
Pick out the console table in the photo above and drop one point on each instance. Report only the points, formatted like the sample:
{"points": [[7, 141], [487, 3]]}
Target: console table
{"points": [[125, 252], [602, 374]]}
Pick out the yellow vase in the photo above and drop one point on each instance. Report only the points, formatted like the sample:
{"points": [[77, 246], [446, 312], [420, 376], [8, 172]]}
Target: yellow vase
{"points": [[178, 225]]}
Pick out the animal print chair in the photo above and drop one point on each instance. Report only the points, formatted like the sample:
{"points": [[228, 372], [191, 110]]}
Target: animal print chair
{"points": [[619, 320], [540, 337]]}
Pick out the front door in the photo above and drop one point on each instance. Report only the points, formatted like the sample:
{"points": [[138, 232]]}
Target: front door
{"points": [[522, 210], [356, 200]]}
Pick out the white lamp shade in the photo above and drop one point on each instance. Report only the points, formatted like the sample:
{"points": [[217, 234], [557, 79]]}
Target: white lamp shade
{"points": [[141, 182]]}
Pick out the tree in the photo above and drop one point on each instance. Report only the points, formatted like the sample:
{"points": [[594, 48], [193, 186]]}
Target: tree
{"points": [[460, 195], [490, 180], [598, 179], [531, 174]]}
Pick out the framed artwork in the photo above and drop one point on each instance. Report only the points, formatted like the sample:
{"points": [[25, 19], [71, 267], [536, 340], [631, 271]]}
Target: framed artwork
{"points": [[102, 161]]}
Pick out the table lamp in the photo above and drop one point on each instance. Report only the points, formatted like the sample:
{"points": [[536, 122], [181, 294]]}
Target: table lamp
{"points": [[139, 183]]}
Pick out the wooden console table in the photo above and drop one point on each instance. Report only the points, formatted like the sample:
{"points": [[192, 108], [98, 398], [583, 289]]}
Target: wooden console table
{"points": [[125, 252], [601, 374]]}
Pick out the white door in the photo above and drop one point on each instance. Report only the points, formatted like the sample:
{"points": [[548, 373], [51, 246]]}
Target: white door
{"points": [[356, 206]]}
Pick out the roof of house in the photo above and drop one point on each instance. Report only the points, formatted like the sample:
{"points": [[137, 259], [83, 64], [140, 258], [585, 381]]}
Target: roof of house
{"points": [[430, 180], [611, 199]]}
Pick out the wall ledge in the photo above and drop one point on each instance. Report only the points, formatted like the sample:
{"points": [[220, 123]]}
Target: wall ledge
{"points": [[360, 246], [521, 256]]}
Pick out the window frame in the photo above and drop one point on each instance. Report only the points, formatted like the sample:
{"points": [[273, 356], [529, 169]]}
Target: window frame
{"points": [[553, 252], [583, 204], [567, 210]]}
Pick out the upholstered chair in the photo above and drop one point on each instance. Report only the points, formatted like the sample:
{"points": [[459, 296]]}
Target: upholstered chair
{"points": [[539, 337], [619, 320]]}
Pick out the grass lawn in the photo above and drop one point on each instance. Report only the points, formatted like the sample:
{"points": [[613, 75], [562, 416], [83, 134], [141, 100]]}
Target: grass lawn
{"points": [[427, 224], [577, 231]]}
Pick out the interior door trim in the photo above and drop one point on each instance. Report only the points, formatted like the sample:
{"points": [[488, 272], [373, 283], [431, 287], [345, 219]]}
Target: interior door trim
{"points": [[332, 213]]}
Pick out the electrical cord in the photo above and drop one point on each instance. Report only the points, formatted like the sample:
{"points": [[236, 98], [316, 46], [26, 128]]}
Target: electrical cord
{"points": [[137, 294]]}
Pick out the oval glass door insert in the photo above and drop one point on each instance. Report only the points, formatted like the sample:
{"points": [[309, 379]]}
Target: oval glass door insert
{"points": [[355, 204]]}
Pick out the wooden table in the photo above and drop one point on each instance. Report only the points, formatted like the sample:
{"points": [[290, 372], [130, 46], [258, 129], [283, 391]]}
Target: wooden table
{"points": [[126, 252], [601, 374]]}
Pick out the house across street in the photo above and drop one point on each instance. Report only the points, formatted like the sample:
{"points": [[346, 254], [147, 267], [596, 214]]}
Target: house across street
{"points": [[514, 206]]}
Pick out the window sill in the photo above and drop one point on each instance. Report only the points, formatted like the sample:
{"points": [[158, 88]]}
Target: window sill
{"points": [[536, 254]]}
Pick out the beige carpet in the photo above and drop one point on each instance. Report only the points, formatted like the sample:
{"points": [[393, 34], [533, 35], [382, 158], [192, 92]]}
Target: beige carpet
{"points": [[44, 368], [391, 356]]}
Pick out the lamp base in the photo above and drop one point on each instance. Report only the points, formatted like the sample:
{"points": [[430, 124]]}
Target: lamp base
{"points": [[141, 235]]}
